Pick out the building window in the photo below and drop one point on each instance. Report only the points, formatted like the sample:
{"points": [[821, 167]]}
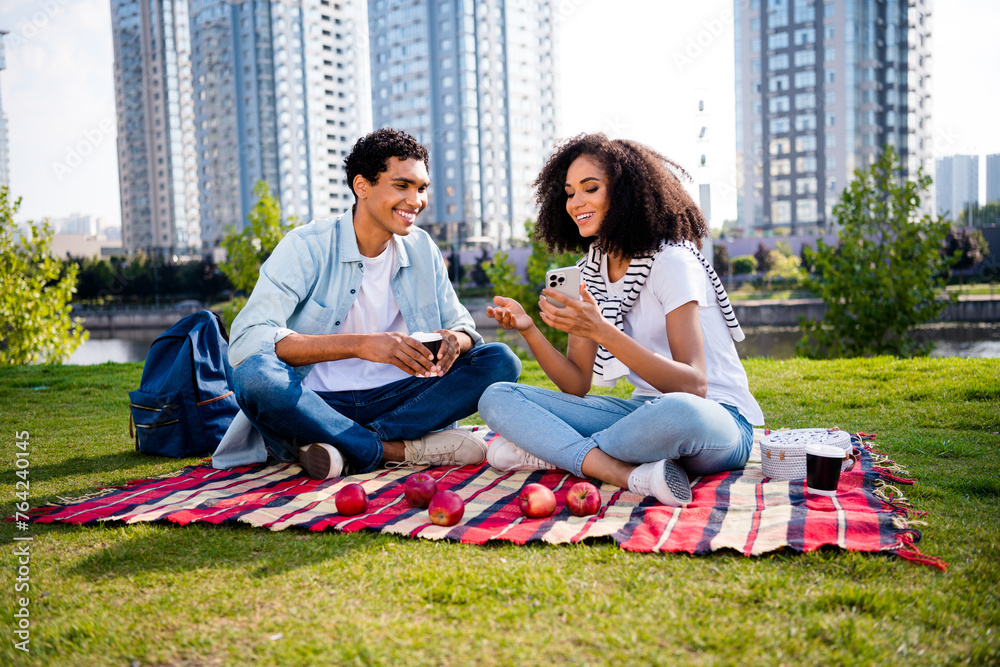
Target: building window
{"points": [[778, 62], [805, 79], [780, 188], [805, 210], [829, 54], [777, 41], [831, 119], [829, 76], [828, 32], [778, 83], [755, 44], [805, 101], [828, 9], [805, 122], [778, 104], [831, 140], [781, 167], [805, 36], [805, 58], [805, 165], [805, 142], [778, 125], [780, 146], [805, 186], [781, 212]]}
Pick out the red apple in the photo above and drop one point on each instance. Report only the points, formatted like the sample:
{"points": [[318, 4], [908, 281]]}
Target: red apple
{"points": [[351, 500], [536, 501], [446, 508], [583, 499], [419, 489]]}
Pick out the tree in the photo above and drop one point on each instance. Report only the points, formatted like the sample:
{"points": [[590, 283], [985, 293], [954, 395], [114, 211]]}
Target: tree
{"points": [[506, 283], [887, 273], [720, 259], [35, 291], [246, 250], [970, 246], [765, 261]]}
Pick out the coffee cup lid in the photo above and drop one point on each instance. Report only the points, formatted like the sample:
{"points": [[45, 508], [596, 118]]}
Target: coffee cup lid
{"points": [[423, 336], [825, 450]]}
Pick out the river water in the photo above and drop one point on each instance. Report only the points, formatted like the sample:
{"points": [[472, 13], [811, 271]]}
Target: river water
{"points": [[951, 340]]}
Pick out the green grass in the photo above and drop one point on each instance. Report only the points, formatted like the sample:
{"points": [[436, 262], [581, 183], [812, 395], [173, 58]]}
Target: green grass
{"points": [[198, 595]]}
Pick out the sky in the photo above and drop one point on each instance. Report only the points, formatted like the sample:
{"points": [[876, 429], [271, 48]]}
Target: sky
{"points": [[631, 68]]}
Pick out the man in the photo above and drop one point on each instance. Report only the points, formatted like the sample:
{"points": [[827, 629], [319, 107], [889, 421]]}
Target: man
{"points": [[324, 364]]}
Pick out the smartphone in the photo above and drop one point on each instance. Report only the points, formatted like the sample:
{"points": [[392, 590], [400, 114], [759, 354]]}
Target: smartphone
{"points": [[566, 281]]}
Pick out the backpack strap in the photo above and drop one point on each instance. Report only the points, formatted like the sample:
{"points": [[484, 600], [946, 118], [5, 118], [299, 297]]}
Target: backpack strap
{"points": [[131, 430]]}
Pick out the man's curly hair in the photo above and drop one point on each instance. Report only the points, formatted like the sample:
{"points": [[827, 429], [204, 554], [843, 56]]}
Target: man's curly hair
{"points": [[370, 155], [648, 204]]}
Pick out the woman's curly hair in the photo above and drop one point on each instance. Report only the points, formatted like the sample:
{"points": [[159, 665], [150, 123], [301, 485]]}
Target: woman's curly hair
{"points": [[370, 154], [648, 204]]}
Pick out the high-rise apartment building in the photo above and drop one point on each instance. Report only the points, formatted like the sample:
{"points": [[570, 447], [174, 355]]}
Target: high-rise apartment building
{"points": [[282, 92], [4, 133], [474, 82], [4, 136], [993, 178], [956, 184], [216, 95], [157, 165], [821, 87]]}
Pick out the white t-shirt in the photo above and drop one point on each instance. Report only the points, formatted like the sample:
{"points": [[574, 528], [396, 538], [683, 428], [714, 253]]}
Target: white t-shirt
{"points": [[677, 278], [374, 311]]}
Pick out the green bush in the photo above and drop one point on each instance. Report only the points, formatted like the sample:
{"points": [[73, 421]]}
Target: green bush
{"points": [[744, 265], [506, 283], [887, 273], [35, 291]]}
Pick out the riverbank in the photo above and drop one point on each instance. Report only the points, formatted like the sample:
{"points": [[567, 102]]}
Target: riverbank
{"points": [[751, 313]]}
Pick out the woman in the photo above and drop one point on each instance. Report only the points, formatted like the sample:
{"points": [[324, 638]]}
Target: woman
{"points": [[651, 309]]}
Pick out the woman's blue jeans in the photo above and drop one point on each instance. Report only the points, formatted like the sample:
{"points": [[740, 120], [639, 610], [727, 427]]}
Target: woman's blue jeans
{"points": [[289, 415], [704, 437]]}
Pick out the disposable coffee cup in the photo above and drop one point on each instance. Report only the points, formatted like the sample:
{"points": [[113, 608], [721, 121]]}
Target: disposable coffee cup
{"points": [[432, 341], [823, 464]]}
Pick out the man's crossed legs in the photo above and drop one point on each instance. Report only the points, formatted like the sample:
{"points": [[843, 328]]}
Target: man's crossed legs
{"points": [[359, 430]]}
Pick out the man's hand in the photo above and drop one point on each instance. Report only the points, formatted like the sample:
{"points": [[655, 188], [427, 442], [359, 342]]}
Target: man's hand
{"points": [[453, 344], [410, 355], [400, 350]]}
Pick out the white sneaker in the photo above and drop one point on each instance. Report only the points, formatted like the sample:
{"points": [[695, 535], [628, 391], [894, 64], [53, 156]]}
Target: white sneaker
{"points": [[321, 461], [505, 456], [450, 447], [664, 480]]}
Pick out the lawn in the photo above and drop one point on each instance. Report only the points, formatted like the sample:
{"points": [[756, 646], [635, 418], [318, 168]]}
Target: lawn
{"points": [[165, 595]]}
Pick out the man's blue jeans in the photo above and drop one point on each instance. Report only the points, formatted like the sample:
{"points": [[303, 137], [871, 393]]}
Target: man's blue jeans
{"points": [[289, 415], [704, 437]]}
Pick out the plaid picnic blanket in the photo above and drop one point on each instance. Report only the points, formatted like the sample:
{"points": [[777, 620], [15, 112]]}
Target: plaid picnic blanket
{"points": [[740, 510]]}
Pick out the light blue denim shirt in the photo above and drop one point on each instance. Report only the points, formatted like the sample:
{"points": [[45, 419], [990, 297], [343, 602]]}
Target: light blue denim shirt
{"points": [[310, 281]]}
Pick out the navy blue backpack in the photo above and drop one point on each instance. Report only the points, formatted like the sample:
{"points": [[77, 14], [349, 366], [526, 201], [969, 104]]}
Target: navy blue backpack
{"points": [[185, 401]]}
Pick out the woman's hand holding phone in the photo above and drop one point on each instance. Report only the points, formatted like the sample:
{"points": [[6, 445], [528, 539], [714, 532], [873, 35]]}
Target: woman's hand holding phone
{"points": [[580, 316]]}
